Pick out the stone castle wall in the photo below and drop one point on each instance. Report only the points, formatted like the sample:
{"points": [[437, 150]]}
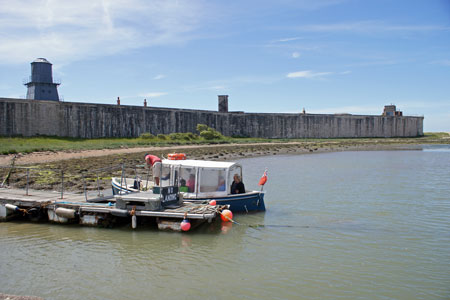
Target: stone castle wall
{"points": [[84, 120]]}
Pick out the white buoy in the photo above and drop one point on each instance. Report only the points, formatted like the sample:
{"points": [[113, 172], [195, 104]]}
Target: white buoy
{"points": [[133, 222], [11, 207], [65, 212]]}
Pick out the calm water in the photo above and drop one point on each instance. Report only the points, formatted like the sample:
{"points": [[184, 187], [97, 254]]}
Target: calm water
{"points": [[367, 225]]}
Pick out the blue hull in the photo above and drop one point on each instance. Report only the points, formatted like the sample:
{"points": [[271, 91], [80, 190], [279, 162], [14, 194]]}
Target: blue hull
{"points": [[251, 201], [239, 202]]}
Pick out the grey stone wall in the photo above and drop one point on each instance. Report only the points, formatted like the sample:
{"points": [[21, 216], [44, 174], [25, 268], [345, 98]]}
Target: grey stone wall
{"points": [[70, 119]]}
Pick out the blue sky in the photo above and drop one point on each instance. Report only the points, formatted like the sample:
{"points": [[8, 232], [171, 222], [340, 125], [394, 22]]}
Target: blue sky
{"points": [[329, 56]]}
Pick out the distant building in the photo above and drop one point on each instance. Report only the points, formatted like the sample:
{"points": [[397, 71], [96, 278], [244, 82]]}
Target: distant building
{"points": [[391, 110], [223, 103], [40, 84]]}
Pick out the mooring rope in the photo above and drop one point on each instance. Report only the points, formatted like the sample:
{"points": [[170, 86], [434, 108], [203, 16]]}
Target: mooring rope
{"points": [[261, 225]]}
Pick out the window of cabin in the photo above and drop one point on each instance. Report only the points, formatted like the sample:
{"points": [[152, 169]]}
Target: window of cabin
{"points": [[212, 180], [165, 176], [188, 181]]}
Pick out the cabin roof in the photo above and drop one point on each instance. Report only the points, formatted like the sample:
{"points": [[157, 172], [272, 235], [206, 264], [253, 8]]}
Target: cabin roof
{"points": [[199, 163]]}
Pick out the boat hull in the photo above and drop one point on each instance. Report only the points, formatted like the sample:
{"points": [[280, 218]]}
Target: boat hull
{"points": [[253, 201], [118, 189], [247, 202]]}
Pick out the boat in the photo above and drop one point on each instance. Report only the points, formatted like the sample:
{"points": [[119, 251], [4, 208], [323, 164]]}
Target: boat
{"points": [[122, 186], [201, 181]]}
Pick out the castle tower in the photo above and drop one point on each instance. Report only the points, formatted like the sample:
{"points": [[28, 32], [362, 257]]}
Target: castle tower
{"points": [[223, 103], [41, 85]]}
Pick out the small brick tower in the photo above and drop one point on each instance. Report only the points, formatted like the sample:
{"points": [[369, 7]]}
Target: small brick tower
{"points": [[223, 103], [40, 84]]}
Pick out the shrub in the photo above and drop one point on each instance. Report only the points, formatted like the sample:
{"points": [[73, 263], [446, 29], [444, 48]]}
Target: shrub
{"points": [[191, 136], [211, 134], [208, 133], [201, 127], [147, 136], [161, 136], [175, 136]]}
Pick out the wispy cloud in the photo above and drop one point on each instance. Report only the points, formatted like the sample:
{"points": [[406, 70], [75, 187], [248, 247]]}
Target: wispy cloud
{"points": [[71, 30], [295, 55], [229, 83], [206, 87], [284, 40], [444, 62], [153, 94], [369, 27], [307, 74], [159, 76]]}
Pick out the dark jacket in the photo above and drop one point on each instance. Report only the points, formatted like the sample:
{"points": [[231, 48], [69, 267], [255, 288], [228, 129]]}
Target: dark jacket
{"points": [[237, 186]]}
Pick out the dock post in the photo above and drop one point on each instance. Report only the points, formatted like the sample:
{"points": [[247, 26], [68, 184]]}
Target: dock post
{"points": [[148, 175], [28, 179], [62, 184], [85, 191], [136, 179], [98, 187], [121, 178]]}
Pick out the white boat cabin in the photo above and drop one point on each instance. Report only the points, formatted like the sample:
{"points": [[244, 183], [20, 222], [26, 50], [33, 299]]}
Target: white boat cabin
{"points": [[199, 178]]}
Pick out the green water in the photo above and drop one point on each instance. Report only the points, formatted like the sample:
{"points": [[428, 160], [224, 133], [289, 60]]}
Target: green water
{"points": [[348, 225]]}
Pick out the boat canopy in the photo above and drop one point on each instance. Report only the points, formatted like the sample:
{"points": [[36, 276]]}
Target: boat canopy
{"points": [[199, 178], [199, 163]]}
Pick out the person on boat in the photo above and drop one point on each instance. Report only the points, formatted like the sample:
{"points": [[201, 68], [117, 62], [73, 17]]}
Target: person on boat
{"points": [[155, 162], [221, 185], [237, 186], [191, 183], [183, 187]]}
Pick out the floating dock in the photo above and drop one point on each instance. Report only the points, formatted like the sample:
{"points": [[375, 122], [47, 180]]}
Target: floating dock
{"points": [[139, 208]]}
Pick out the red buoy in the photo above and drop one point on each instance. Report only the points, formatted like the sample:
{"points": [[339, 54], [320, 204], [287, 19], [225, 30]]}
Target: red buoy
{"points": [[185, 225], [226, 215], [212, 202], [226, 226]]}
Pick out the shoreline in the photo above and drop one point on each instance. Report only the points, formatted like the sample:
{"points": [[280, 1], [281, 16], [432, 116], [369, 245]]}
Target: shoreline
{"points": [[246, 150], [86, 168]]}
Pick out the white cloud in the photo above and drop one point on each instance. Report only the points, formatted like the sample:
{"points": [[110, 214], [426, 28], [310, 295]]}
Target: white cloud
{"points": [[307, 74], [65, 31], [217, 88], [159, 76], [284, 40], [296, 55], [153, 94]]}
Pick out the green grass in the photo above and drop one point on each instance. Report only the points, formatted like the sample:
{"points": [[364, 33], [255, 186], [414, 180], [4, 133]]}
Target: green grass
{"points": [[11, 145]]}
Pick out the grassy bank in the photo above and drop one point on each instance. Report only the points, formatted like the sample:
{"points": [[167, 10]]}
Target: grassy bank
{"points": [[11, 145]]}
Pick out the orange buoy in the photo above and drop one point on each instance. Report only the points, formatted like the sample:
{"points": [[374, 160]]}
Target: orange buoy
{"points": [[185, 225], [226, 226], [212, 202], [226, 215], [263, 179], [176, 156]]}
